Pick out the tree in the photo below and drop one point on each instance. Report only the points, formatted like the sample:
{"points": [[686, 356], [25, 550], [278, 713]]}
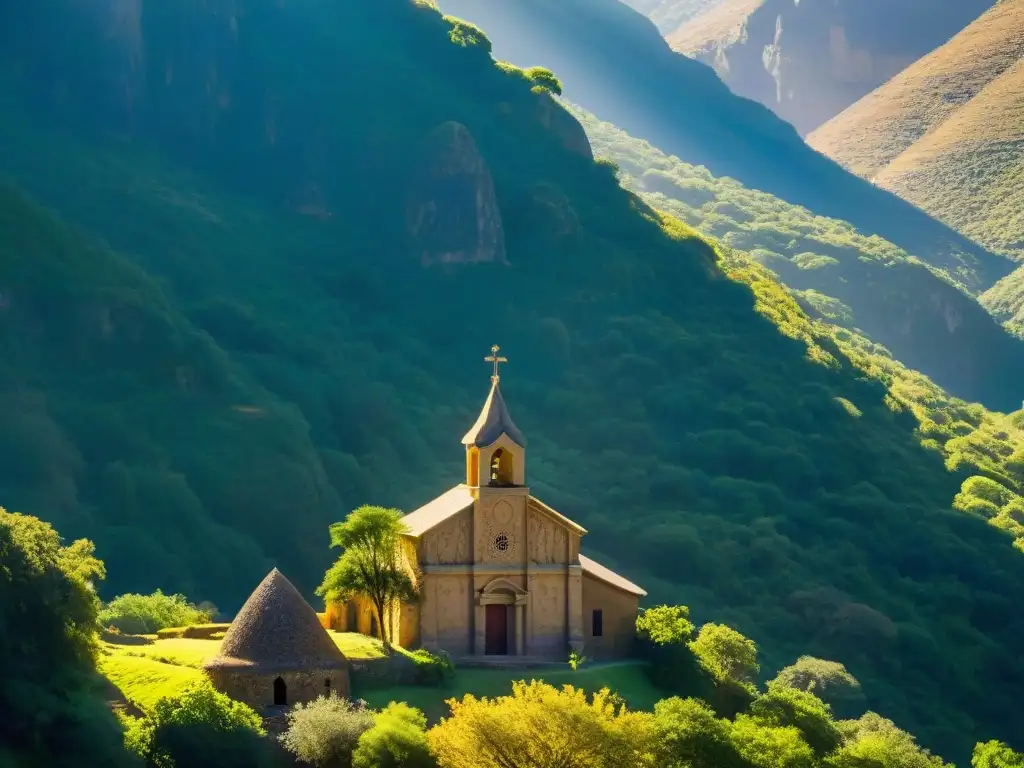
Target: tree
{"points": [[665, 624], [828, 680], [766, 746], [783, 706], [146, 614], [541, 726], [53, 714], [324, 732], [874, 742], [726, 654], [370, 563], [692, 736], [198, 728], [398, 739], [995, 754]]}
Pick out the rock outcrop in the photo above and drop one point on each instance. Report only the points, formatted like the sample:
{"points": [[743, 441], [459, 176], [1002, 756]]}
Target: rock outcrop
{"points": [[451, 212], [563, 125]]}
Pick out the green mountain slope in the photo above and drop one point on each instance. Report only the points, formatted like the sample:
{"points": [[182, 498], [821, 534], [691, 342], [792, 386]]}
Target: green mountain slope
{"points": [[947, 133], [287, 187], [855, 281], [613, 62]]}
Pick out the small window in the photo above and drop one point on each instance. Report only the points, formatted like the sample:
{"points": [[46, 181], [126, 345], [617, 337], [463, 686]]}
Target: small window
{"points": [[327, 684], [501, 542], [597, 624], [373, 626]]}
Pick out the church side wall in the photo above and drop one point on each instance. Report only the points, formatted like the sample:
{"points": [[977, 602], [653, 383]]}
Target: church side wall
{"points": [[547, 629], [446, 613], [618, 612]]}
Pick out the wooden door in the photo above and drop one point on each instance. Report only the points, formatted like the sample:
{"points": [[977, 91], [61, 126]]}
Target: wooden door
{"points": [[496, 617]]}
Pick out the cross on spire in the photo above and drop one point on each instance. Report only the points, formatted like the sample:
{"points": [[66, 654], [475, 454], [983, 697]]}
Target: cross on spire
{"points": [[496, 360]]}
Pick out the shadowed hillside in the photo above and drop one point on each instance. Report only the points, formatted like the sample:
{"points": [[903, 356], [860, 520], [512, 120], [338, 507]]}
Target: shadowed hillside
{"points": [[681, 107], [317, 217], [810, 60], [948, 132]]}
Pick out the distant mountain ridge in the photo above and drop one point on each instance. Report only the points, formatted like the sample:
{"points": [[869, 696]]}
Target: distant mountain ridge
{"points": [[947, 133], [811, 59]]}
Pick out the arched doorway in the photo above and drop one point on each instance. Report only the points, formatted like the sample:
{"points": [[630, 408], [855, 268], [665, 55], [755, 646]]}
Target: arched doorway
{"points": [[280, 693], [502, 611]]}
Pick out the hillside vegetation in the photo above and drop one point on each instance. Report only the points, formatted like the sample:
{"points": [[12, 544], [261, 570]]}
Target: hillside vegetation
{"points": [[862, 283], [947, 133], [681, 107], [809, 60], [220, 334]]}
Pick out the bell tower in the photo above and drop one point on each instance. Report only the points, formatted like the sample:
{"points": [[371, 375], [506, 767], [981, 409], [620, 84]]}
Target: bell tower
{"points": [[495, 448]]}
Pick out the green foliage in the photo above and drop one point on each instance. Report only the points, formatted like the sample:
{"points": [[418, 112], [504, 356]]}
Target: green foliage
{"points": [[467, 35], [995, 754], [432, 668], [830, 681], [693, 735], [272, 353], [146, 614], [576, 660], [874, 741], [370, 563], [769, 746], [397, 739], [726, 654], [544, 79], [782, 706], [325, 732], [197, 728], [49, 695], [665, 624]]}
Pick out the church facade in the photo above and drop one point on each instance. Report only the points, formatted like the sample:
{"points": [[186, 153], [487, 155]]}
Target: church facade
{"points": [[500, 573]]}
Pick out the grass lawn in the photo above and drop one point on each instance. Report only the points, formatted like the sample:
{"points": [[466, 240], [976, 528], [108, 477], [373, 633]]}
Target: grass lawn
{"points": [[146, 673], [144, 681], [629, 679]]}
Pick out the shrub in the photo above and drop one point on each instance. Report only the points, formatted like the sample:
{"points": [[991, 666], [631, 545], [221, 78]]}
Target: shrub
{"points": [[431, 668], [397, 739], [325, 732], [199, 727], [146, 614]]}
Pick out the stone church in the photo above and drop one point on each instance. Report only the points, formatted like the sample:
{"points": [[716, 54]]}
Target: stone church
{"points": [[500, 572]]}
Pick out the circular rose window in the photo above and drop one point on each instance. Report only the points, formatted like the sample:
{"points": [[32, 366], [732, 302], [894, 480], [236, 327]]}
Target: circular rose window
{"points": [[502, 545]]}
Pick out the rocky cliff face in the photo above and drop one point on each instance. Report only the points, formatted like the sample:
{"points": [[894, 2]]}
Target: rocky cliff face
{"points": [[810, 60], [451, 212]]}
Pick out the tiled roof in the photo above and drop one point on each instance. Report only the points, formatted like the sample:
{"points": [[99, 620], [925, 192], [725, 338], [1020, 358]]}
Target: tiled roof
{"points": [[608, 576], [493, 422], [277, 630], [435, 512]]}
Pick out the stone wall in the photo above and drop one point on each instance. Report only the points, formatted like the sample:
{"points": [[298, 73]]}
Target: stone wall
{"points": [[618, 611], [446, 613], [547, 631], [257, 689]]}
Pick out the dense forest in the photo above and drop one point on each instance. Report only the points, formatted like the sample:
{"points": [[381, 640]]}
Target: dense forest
{"points": [[248, 277]]}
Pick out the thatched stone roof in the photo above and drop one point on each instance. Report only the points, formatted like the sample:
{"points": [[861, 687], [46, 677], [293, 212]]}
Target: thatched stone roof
{"points": [[277, 630]]}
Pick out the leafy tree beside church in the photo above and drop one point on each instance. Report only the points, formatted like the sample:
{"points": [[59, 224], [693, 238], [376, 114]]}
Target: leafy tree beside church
{"points": [[370, 564]]}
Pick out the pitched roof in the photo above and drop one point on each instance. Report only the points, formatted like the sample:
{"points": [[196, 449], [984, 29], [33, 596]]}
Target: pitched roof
{"points": [[493, 421], [435, 512], [277, 630], [608, 576], [551, 512]]}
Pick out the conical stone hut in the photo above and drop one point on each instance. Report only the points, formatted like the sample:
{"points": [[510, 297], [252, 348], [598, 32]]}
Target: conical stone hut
{"points": [[276, 652]]}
